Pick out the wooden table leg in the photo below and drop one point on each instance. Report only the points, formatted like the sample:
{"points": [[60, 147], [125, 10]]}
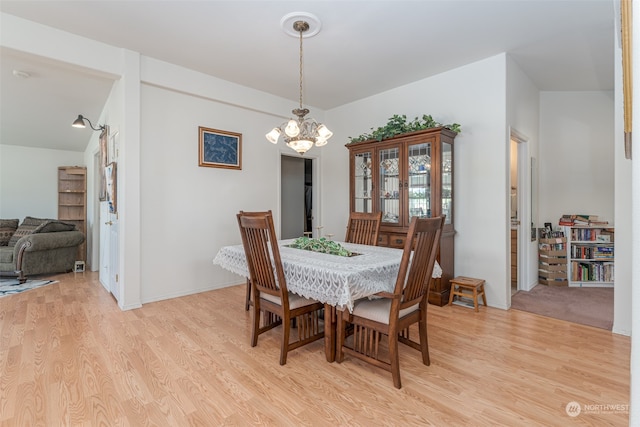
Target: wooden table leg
{"points": [[330, 332]]}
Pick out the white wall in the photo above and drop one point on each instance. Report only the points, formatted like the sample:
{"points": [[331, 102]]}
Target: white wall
{"points": [[29, 180], [473, 96], [576, 155], [111, 118], [624, 259], [523, 117], [189, 211]]}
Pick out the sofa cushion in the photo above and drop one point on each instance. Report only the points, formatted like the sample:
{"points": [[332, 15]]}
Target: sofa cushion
{"points": [[53, 225], [28, 226], [6, 258], [7, 228]]}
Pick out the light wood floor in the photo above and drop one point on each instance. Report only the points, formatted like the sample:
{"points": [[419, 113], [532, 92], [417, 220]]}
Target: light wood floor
{"points": [[69, 356]]}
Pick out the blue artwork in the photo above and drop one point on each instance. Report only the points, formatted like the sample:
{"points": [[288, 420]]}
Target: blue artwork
{"points": [[220, 149]]}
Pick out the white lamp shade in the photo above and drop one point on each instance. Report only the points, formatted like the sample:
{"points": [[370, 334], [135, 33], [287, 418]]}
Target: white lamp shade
{"points": [[324, 132], [292, 129], [320, 141], [273, 136]]}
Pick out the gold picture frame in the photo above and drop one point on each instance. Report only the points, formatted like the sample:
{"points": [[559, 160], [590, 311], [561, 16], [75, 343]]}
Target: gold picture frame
{"points": [[219, 148]]}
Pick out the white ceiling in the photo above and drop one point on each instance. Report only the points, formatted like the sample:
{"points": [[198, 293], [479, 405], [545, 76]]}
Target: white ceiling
{"points": [[363, 48]]}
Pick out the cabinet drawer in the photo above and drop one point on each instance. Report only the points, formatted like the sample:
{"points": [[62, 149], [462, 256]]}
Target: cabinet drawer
{"points": [[397, 240]]}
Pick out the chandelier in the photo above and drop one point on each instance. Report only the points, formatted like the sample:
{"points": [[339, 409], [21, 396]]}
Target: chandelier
{"points": [[302, 133]]}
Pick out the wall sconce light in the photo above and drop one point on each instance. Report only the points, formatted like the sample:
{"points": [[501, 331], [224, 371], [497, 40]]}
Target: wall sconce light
{"points": [[79, 123]]}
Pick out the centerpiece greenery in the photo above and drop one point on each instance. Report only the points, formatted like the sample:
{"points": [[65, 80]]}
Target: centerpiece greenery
{"points": [[322, 244], [398, 125]]}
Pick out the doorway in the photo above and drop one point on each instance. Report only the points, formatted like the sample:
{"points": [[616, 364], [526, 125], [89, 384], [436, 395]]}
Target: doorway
{"points": [[296, 197], [514, 219], [521, 216]]}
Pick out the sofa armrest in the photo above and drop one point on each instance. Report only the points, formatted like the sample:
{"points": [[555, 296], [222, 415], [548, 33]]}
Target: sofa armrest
{"points": [[47, 241]]}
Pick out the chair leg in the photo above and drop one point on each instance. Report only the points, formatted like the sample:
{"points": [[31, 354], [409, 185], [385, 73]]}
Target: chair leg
{"points": [[256, 324], [424, 341], [394, 359], [247, 302], [284, 347]]}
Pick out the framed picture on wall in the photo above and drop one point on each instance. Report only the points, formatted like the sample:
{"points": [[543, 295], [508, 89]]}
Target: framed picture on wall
{"points": [[219, 148], [111, 175]]}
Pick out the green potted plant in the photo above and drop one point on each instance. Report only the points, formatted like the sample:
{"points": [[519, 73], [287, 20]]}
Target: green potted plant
{"points": [[398, 125]]}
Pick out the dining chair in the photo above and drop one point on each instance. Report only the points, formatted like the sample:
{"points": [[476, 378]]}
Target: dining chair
{"points": [[393, 313], [247, 296], [272, 303], [363, 228]]}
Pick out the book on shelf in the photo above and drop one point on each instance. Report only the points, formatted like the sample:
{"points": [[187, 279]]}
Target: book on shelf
{"points": [[592, 272], [581, 220]]}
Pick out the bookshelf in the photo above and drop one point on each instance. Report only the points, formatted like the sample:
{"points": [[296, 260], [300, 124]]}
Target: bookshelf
{"points": [[590, 254], [72, 200], [552, 259]]}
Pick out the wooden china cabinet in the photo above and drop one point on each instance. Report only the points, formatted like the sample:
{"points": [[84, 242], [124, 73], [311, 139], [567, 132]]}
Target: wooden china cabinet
{"points": [[406, 176]]}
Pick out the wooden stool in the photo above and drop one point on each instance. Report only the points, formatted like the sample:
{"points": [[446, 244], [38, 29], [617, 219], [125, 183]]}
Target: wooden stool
{"points": [[468, 287]]}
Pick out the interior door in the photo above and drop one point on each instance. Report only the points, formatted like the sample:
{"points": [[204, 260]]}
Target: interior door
{"points": [[524, 218], [114, 265], [109, 264], [109, 228], [103, 273]]}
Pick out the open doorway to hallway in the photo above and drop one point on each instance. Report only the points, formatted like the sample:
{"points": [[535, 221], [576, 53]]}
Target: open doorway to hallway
{"points": [[297, 195]]}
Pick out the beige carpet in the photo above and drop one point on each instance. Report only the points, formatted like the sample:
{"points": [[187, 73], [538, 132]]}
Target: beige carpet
{"points": [[587, 306]]}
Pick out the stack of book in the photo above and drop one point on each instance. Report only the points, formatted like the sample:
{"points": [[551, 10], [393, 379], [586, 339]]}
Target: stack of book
{"points": [[581, 220]]}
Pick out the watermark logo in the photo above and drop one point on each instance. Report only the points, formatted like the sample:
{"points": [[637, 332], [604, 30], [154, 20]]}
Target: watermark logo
{"points": [[573, 409]]}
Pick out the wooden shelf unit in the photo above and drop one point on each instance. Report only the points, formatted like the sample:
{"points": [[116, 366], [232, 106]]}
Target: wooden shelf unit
{"points": [[590, 253], [72, 200]]}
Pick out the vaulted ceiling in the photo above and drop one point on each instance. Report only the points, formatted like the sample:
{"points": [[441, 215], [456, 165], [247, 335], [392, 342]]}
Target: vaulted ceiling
{"points": [[363, 48]]}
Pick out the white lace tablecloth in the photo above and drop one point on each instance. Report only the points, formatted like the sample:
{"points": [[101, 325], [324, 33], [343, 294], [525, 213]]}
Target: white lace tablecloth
{"points": [[330, 279]]}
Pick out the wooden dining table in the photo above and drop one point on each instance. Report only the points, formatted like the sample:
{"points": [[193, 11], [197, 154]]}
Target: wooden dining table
{"points": [[336, 281]]}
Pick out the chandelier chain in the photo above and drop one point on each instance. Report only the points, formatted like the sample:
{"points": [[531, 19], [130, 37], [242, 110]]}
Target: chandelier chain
{"points": [[301, 31], [303, 133]]}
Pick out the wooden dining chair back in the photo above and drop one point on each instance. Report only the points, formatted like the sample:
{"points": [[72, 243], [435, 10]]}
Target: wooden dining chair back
{"points": [[247, 294], [363, 228], [272, 304], [393, 313]]}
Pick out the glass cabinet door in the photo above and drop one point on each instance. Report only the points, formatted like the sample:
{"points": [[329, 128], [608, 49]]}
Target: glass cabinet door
{"points": [[389, 186], [447, 180], [363, 184], [419, 180]]}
